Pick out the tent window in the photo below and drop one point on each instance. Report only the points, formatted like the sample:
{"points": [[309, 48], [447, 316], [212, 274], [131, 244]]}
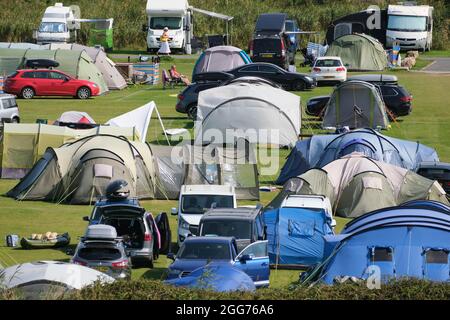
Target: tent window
{"points": [[382, 254], [103, 171], [437, 256], [372, 183]]}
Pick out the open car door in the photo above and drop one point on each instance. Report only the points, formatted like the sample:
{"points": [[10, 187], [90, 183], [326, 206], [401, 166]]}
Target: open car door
{"points": [[254, 260], [162, 222]]}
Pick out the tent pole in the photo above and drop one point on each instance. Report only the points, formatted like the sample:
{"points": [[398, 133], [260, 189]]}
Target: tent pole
{"points": [[162, 125]]}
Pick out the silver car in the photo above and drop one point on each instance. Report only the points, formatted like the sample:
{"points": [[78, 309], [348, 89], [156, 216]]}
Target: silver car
{"points": [[9, 111], [104, 254]]}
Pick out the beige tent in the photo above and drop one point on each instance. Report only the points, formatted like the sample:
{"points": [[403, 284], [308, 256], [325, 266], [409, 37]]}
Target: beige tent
{"points": [[23, 144], [357, 185]]}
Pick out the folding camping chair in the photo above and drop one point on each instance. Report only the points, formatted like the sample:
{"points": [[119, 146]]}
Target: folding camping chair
{"points": [[167, 80]]}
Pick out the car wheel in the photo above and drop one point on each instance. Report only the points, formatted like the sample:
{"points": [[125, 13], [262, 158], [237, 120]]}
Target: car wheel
{"points": [[192, 113], [15, 120], [28, 93], [150, 264], [83, 93], [299, 86]]}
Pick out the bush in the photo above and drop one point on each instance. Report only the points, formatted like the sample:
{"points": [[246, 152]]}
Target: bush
{"points": [[156, 290], [22, 16]]}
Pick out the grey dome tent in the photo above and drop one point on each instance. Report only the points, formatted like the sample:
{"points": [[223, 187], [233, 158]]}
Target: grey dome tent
{"points": [[356, 184], [256, 112], [111, 75], [356, 104], [359, 52], [320, 150], [221, 58]]}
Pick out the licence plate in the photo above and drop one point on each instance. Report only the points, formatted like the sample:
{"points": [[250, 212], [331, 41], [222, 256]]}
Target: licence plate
{"points": [[328, 77], [267, 55]]}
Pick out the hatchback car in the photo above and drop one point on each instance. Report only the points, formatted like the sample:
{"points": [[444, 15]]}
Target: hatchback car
{"points": [[44, 82], [102, 250], [196, 252], [9, 110], [132, 223], [329, 70], [288, 80], [244, 224]]}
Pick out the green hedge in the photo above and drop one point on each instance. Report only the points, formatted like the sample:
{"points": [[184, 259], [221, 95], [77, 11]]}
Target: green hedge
{"points": [[19, 17], [155, 290]]}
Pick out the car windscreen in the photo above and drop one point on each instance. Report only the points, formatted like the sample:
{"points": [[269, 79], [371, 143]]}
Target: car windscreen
{"points": [[159, 23], [435, 173], [407, 23], [227, 228], [267, 45], [100, 253], [199, 204], [328, 63], [205, 251], [53, 27]]}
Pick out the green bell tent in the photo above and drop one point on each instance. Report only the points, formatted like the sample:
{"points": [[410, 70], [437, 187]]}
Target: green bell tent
{"points": [[359, 52]]}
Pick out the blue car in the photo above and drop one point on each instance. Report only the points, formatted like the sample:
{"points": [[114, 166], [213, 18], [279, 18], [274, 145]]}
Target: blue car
{"points": [[197, 252]]}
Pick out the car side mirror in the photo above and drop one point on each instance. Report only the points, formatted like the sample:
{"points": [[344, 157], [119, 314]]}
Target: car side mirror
{"points": [[174, 211], [86, 219], [144, 28], [70, 252], [66, 79], [171, 256], [245, 258]]}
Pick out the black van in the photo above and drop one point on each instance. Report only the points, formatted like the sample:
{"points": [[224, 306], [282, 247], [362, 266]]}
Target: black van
{"points": [[270, 43]]}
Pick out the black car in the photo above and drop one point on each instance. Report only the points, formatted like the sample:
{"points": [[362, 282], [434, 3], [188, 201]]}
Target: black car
{"points": [[439, 171], [397, 99], [287, 80], [275, 48]]}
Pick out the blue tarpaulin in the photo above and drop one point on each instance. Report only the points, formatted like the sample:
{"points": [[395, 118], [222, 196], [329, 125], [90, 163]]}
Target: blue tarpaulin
{"points": [[321, 150], [216, 277], [295, 235]]}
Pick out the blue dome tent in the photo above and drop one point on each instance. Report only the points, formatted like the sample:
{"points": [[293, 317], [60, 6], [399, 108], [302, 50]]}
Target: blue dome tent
{"points": [[412, 240], [320, 150]]}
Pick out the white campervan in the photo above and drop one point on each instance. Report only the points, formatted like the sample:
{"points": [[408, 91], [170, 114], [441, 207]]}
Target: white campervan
{"points": [[410, 26], [310, 202], [195, 200], [173, 14], [56, 25]]}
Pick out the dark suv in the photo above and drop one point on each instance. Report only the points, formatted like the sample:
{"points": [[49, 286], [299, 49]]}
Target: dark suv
{"points": [[244, 224], [271, 43]]}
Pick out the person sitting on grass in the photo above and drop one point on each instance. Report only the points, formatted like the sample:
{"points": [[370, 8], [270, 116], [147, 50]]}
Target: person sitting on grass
{"points": [[175, 75]]}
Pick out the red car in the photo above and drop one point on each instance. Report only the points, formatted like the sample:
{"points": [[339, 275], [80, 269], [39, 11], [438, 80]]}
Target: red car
{"points": [[44, 82]]}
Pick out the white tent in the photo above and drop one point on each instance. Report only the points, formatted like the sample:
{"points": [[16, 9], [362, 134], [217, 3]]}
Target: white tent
{"points": [[259, 113]]}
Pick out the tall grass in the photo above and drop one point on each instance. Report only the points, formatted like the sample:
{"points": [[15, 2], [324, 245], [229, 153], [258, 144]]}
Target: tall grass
{"points": [[18, 18]]}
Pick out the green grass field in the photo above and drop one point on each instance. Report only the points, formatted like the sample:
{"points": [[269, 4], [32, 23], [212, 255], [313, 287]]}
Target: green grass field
{"points": [[429, 124]]}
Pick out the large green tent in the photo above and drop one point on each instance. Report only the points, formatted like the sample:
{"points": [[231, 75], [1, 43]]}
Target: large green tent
{"points": [[75, 63], [359, 52]]}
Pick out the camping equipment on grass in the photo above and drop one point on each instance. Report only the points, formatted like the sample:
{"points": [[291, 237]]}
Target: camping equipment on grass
{"points": [[50, 240], [256, 112], [356, 184], [221, 58], [320, 150], [356, 104], [359, 52], [412, 240]]}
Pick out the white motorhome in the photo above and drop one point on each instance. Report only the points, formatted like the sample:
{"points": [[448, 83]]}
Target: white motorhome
{"points": [[310, 202], [173, 14], [58, 24], [410, 26], [195, 200]]}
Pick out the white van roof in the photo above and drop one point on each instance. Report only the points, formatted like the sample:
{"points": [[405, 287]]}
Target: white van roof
{"points": [[307, 201], [207, 189], [164, 7], [421, 11]]}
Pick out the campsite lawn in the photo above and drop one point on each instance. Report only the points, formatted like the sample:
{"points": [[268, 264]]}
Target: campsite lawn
{"points": [[429, 124]]}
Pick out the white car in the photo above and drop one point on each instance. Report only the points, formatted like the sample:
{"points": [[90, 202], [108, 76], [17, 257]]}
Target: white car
{"points": [[329, 69], [9, 111]]}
